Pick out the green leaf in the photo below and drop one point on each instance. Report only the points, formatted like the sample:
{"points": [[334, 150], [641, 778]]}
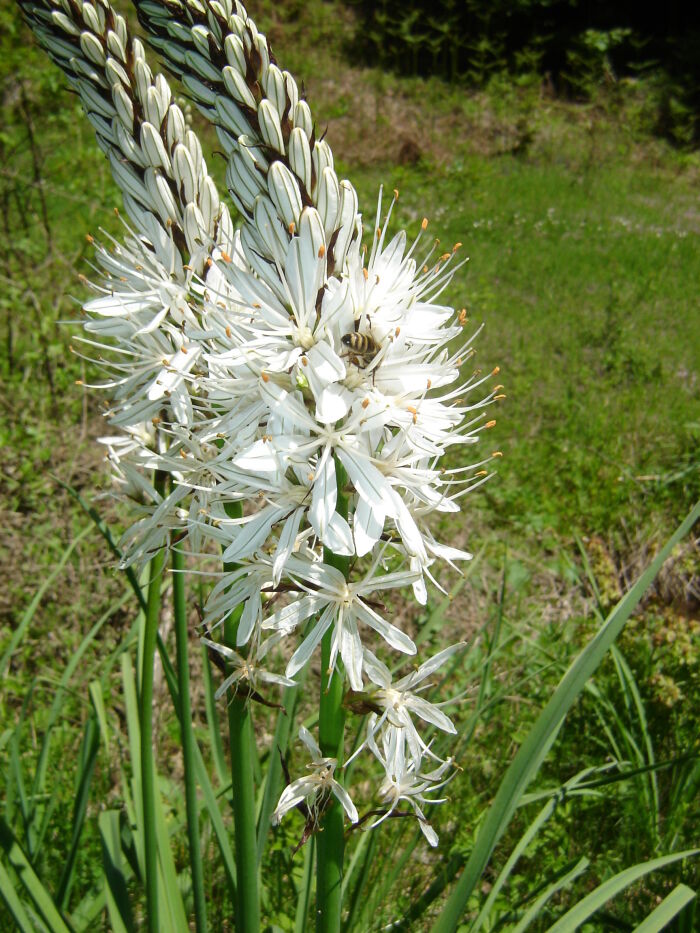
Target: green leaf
{"points": [[548, 892], [115, 873], [86, 768], [30, 880], [669, 908], [543, 734], [26, 619], [14, 905], [585, 908]]}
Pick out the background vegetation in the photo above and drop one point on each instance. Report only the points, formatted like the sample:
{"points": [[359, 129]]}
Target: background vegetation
{"points": [[578, 207]]}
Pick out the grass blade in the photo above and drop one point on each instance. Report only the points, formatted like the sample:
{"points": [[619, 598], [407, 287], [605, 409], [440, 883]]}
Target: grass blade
{"points": [[667, 910], [26, 619], [187, 737], [549, 891], [13, 903], [115, 873], [283, 728], [542, 735], [585, 908], [306, 891], [86, 769], [30, 880]]}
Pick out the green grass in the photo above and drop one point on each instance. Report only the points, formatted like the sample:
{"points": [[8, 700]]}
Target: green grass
{"points": [[584, 268]]}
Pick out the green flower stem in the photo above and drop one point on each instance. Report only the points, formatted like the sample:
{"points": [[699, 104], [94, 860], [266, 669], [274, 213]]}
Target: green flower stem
{"points": [[187, 736], [331, 733], [148, 775], [242, 743]]}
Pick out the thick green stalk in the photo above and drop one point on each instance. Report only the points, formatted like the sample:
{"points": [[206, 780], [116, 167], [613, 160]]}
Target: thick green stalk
{"points": [[242, 742], [187, 737], [331, 733], [148, 789]]}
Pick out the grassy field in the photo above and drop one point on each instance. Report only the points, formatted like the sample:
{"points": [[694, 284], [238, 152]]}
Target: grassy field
{"points": [[582, 234]]}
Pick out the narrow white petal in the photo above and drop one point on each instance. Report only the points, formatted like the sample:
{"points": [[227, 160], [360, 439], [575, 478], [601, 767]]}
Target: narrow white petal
{"points": [[312, 640], [345, 801]]}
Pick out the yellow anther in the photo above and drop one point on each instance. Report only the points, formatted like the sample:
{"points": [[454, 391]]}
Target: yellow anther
{"points": [[489, 424], [424, 224]]}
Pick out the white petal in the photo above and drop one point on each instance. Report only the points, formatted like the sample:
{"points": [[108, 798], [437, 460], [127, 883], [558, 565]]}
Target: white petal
{"points": [[308, 646], [430, 713], [260, 458], [392, 635], [285, 545], [333, 403], [338, 537], [367, 480], [345, 801], [376, 670], [368, 525], [310, 742], [253, 534], [325, 494]]}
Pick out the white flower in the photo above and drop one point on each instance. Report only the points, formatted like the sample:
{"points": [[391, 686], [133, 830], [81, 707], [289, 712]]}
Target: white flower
{"points": [[399, 702], [244, 669], [338, 605], [404, 782], [316, 787]]}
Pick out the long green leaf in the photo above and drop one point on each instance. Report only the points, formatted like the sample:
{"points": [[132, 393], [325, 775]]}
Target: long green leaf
{"points": [[13, 903], [115, 873], [30, 880], [283, 728], [549, 892], [26, 619], [307, 887], [542, 735], [585, 908], [669, 908], [213, 722], [88, 756]]}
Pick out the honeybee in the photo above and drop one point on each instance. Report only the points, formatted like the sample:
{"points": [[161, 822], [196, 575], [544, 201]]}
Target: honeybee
{"points": [[363, 347]]}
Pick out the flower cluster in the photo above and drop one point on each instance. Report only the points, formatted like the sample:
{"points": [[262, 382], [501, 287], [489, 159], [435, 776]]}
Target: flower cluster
{"points": [[296, 378]]}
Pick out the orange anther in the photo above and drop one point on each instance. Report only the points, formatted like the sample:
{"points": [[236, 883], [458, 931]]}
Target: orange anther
{"points": [[489, 424], [321, 251]]}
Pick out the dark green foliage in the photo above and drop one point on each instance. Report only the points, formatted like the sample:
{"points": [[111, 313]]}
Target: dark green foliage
{"points": [[575, 47]]}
